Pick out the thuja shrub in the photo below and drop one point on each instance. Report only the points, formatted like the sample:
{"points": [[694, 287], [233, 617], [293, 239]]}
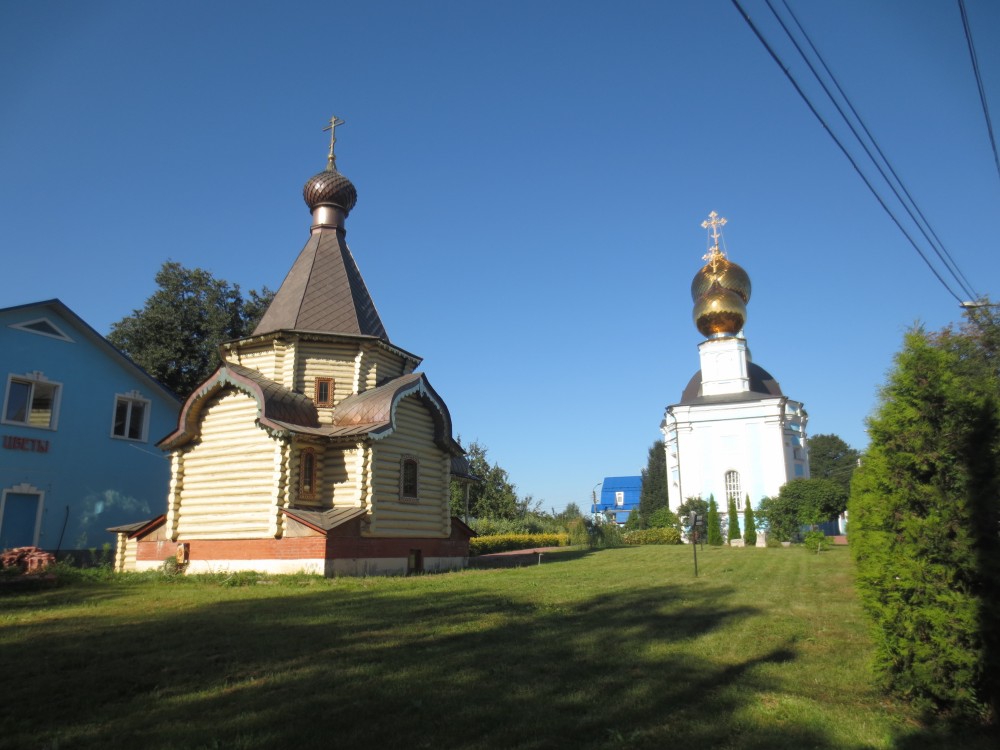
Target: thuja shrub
{"points": [[484, 545], [924, 512], [662, 535], [749, 525], [714, 524]]}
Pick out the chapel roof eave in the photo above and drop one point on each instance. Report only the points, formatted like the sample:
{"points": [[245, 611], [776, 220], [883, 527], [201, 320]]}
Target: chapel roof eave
{"points": [[278, 408]]}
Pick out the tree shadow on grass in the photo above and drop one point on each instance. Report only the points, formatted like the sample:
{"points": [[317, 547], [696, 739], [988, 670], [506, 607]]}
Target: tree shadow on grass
{"points": [[413, 668]]}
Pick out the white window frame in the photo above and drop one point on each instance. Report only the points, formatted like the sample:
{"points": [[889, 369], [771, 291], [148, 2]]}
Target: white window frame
{"points": [[57, 333], [25, 489], [619, 499], [132, 397], [31, 378], [734, 489]]}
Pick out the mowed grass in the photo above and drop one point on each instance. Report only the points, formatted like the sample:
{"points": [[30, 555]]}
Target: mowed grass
{"points": [[767, 648]]}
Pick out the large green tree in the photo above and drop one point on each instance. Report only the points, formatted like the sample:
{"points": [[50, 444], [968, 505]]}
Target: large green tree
{"points": [[831, 458], [925, 522], [175, 337], [654, 493], [495, 496], [801, 502]]}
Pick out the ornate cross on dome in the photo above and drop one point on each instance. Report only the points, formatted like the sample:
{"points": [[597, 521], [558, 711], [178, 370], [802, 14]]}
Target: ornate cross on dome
{"points": [[714, 255], [331, 159]]}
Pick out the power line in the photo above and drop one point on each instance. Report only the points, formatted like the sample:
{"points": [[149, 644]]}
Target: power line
{"points": [[840, 145], [979, 81], [936, 244]]}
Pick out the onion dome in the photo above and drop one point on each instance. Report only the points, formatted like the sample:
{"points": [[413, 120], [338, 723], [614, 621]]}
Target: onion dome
{"points": [[719, 312], [330, 188], [727, 274]]}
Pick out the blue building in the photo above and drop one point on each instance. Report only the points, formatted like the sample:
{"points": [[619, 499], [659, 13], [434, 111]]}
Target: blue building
{"points": [[619, 496], [79, 425]]}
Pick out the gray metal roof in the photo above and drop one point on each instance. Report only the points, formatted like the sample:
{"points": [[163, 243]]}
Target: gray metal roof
{"points": [[762, 385]]}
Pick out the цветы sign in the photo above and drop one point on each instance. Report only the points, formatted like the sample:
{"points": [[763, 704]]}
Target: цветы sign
{"points": [[12, 443]]}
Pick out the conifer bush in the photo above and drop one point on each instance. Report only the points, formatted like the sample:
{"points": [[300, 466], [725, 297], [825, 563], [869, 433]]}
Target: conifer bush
{"points": [[732, 521], [924, 510], [714, 531], [749, 526]]}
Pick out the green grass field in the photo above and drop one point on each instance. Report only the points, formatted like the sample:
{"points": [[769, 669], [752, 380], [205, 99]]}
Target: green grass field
{"points": [[767, 648]]}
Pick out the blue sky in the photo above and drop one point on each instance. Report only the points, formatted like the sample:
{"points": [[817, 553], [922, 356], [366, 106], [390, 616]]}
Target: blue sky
{"points": [[532, 177]]}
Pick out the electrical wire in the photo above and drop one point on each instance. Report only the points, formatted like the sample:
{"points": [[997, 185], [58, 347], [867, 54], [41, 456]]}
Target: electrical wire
{"points": [[929, 234], [979, 81], [843, 149]]}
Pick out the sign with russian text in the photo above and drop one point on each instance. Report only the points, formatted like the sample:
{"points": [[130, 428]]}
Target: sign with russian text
{"points": [[32, 445]]}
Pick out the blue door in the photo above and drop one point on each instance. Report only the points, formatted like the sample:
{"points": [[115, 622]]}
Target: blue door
{"points": [[20, 519]]}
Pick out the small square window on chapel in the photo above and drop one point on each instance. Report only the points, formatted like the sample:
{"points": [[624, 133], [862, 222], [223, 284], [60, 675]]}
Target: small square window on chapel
{"points": [[324, 392]]}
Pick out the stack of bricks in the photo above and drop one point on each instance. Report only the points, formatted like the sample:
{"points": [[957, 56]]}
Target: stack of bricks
{"points": [[28, 559]]}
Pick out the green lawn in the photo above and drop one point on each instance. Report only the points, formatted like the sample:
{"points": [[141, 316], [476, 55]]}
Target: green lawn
{"points": [[767, 648]]}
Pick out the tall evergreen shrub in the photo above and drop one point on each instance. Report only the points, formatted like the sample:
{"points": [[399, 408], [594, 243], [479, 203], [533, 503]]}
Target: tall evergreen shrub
{"points": [[732, 521], [714, 530], [924, 512], [749, 526]]}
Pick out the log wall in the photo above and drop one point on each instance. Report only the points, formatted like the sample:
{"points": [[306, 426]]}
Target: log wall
{"points": [[226, 485], [413, 437]]}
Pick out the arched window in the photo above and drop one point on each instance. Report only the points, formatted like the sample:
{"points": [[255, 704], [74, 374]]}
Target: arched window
{"points": [[733, 491], [408, 472], [307, 474]]}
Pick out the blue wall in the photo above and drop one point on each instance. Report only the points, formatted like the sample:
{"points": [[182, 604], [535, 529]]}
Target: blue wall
{"points": [[90, 479], [631, 489]]}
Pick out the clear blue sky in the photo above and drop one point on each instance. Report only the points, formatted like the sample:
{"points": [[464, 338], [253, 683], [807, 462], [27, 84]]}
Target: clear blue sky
{"points": [[532, 177]]}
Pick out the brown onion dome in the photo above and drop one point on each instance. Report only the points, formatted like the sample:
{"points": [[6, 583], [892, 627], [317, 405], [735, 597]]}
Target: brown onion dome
{"points": [[729, 276], [330, 188], [719, 312]]}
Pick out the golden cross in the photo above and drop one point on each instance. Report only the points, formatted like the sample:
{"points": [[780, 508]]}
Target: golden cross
{"points": [[714, 255], [331, 160]]}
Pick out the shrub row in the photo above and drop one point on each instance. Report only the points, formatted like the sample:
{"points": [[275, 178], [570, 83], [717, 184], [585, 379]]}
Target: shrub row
{"points": [[484, 545], [662, 535]]}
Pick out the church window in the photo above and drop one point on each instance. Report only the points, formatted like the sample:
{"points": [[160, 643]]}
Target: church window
{"points": [[31, 401], [307, 474], [733, 491], [130, 416], [324, 392], [408, 479]]}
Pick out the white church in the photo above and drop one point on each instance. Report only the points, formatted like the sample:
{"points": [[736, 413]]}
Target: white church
{"points": [[733, 434]]}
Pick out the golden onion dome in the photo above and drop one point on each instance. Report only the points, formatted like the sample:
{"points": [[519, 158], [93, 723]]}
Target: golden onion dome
{"points": [[727, 274], [719, 312]]}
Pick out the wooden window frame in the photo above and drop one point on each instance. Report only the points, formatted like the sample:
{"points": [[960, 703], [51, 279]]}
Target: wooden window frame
{"points": [[404, 495], [307, 474], [328, 401]]}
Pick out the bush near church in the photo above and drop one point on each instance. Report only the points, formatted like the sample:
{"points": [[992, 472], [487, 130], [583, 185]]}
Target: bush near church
{"points": [[925, 512], [658, 535]]}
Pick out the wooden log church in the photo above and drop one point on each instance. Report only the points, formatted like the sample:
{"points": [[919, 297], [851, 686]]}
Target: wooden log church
{"points": [[315, 446]]}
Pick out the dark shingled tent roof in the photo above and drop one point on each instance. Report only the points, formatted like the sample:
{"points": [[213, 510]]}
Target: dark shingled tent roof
{"points": [[324, 293]]}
